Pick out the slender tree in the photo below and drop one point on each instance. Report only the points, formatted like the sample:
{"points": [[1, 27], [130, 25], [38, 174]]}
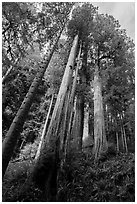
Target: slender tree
{"points": [[44, 129]]}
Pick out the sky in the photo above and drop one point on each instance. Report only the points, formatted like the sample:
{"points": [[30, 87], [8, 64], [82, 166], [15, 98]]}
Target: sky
{"points": [[124, 12]]}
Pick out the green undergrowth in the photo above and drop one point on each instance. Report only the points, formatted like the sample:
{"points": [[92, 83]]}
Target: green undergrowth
{"points": [[106, 181], [16, 188], [80, 180]]}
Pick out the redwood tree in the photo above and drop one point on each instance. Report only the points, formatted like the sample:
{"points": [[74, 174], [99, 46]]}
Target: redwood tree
{"points": [[50, 152]]}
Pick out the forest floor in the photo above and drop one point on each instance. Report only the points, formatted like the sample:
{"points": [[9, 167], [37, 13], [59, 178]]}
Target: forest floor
{"points": [[80, 180]]}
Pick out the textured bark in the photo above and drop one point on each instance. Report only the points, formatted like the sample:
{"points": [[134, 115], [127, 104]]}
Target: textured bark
{"points": [[79, 113], [69, 138], [51, 147], [77, 131], [88, 140], [44, 129], [66, 82], [17, 124], [70, 107], [64, 122], [100, 142], [86, 121]]}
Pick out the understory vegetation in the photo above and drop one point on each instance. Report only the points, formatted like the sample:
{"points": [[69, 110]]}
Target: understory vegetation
{"points": [[80, 180]]}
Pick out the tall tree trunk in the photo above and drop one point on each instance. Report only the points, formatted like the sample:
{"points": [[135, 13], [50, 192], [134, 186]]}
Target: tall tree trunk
{"points": [[100, 143], [69, 138], [66, 82], [78, 124], [64, 122], [86, 122], [70, 108], [50, 159], [79, 114], [17, 124], [44, 129], [87, 137], [116, 130]]}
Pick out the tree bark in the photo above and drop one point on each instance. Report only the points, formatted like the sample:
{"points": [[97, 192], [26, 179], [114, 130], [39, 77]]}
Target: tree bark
{"points": [[68, 142], [70, 108], [116, 130], [100, 142], [86, 121], [80, 100], [56, 116], [78, 124], [51, 161], [17, 124], [88, 140], [64, 121]]}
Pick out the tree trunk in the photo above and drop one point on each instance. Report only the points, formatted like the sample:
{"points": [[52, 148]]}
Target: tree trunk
{"points": [[68, 142], [64, 122], [88, 140], [122, 138], [78, 124], [116, 130], [44, 129], [86, 121], [70, 108], [125, 140], [66, 82], [100, 142], [117, 141], [17, 124], [79, 113], [51, 160]]}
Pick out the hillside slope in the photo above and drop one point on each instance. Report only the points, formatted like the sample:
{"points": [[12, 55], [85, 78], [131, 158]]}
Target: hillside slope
{"points": [[80, 180]]}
